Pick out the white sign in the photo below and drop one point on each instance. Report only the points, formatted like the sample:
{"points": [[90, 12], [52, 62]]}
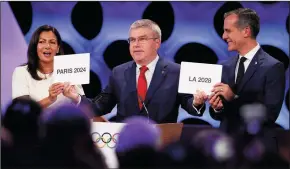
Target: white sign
{"points": [[74, 69], [198, 76], [105, 136]]}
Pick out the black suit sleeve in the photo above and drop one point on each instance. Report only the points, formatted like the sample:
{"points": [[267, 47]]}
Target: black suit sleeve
{"points": [[186, 101], [273, 94], [104, 102], [274, 91]]}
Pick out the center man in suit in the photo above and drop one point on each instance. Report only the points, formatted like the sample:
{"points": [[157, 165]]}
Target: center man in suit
{"points": [[147, 86], [253, 76]]}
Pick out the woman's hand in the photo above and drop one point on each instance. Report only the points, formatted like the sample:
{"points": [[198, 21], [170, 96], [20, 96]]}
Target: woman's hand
{"points": [[54, 90]]}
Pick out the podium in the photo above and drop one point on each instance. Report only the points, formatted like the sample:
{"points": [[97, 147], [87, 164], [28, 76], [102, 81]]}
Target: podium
{"points": [[105, 136], [170, 132]]}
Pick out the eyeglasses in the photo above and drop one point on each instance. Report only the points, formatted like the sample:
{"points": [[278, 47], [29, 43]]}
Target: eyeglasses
{"points": [[140, 40]]}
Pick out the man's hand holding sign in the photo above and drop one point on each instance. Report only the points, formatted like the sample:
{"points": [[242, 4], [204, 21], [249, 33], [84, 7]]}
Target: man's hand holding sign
{"points": [[220, 90], [199, 99], [70, 92], [203, 80], [223, 90]]}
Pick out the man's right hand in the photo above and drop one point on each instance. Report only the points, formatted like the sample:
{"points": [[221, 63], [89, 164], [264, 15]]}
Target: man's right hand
{"points": [[54, 90], [215, 102], [69, 91]]}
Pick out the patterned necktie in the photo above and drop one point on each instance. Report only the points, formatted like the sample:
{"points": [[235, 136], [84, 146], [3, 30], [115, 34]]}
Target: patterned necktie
{"points": [[142, 85]]}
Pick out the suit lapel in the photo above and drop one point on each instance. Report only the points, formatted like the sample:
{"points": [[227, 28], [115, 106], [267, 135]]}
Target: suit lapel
{"points": [[251, 69], [232, 68], [158, 77], [131, 86]]}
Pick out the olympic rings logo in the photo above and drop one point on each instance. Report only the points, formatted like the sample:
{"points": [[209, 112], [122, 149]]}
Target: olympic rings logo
{"points": [[106, 139]]}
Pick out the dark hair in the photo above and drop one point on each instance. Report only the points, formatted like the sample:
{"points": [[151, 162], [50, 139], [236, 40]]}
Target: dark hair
{"points": [[33, 59], [246, 17], [22, 117]]}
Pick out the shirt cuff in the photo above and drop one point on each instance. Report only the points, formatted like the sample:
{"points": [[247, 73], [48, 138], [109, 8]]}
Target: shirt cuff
{"points": [[79, 100], [198, 111], [218, 111]]}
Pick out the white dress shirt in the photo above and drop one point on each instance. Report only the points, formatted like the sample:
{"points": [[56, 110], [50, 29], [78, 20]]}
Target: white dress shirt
{"points": [[249, 57], [149, 74]]}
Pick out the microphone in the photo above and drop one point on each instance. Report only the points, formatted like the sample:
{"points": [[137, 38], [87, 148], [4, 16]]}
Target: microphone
{"points": [[97, 108], [95, 100], [140, 98]]}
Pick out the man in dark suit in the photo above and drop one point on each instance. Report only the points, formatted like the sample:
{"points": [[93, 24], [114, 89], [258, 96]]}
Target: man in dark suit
{"points": [[148, 85], [251, 77]]}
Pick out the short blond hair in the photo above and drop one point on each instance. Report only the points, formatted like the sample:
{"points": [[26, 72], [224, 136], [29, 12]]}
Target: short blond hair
{"points": [[147, 23]]}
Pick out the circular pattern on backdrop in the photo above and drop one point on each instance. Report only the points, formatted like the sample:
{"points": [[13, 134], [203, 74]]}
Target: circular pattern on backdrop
{"points": [[117, 53], [195, 121], [67, 49], [195, 52], [277, 126], [94, 87], [101, 17], [87, 18], [23, 14], [113, 119], [219, 16], [277, 53], [162, 13]]}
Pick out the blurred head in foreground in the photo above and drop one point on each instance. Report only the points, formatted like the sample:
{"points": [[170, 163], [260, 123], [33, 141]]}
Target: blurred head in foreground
{"points": [[138, 143]]}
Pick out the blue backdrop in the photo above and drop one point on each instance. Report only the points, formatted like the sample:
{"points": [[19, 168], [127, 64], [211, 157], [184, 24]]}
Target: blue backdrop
{"points": [[191, 31]]}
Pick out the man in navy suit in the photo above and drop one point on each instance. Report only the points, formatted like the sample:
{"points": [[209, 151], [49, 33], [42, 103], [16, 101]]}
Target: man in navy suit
{"points": [[148, 85], [251, 77]]}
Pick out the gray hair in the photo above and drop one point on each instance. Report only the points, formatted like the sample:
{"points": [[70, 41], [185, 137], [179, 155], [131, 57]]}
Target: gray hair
{"points": [[147, 23], [247, 17]]}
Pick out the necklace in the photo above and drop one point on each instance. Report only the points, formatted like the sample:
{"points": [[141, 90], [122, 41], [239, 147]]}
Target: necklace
{"points": [[46, 75]]}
